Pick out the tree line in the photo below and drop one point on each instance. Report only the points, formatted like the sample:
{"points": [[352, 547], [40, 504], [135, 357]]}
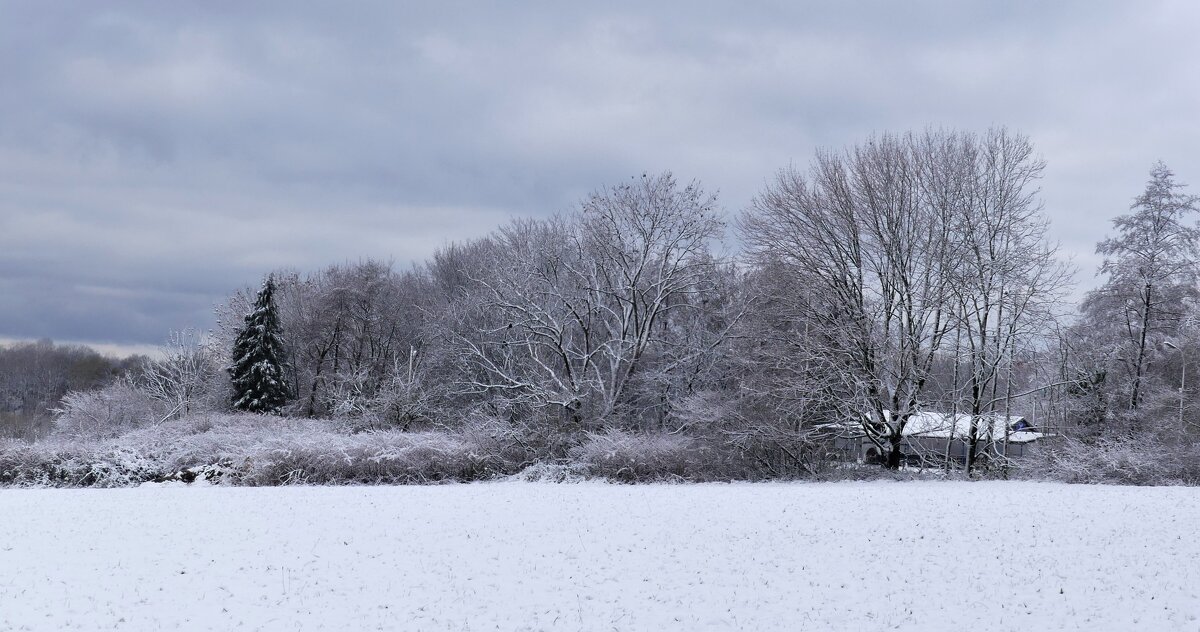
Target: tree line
{"points": [[912, 272], [35, 376]]}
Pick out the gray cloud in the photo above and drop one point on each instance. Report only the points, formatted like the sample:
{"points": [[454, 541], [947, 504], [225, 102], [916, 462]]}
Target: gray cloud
{"points": [[155, 156]]}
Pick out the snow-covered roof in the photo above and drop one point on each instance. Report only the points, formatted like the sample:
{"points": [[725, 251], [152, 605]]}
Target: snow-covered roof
{"points": [[944, 425], [947, 425]]}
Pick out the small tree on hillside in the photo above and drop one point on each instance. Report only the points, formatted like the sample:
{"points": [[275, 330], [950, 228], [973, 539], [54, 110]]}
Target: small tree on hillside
{"points": [[259, 385]]}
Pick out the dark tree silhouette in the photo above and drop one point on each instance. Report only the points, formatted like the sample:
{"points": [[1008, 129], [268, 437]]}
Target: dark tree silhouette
{"points": [[259, 385]]}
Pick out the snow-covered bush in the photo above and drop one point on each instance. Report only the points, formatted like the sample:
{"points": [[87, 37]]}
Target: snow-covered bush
{"points": [[542, 472], [374, 457], [65, 463], [640, 457], [630, 457], [252, 449], [105, 413], [1124, 461], [754, 440]]}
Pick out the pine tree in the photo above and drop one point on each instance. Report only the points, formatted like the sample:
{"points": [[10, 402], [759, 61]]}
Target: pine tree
{"points": [[259, 385]]}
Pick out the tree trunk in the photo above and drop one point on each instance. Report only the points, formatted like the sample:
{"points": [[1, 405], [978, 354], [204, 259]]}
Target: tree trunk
{"points": [[895, 455], [977, 393], [1141, 356], [972, 444]]}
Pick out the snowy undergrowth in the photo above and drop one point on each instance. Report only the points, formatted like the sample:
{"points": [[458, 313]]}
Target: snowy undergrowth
{"points": [[1116, 461], [258, 450], [262, 450], [628, 457]]}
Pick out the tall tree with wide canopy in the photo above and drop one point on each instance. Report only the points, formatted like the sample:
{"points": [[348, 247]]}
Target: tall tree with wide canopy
{"points": [[870, 250], [896, 244]]}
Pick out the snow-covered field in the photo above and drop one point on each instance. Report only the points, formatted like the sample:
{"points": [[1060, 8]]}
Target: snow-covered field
{"points": [[523, 556]]}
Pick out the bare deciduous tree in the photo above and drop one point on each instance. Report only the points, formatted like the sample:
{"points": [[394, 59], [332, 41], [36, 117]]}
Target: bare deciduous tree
{"points": [[573, 305], [1152, 269], [1007, 276], [898, 242], [188, 373], [873, 251]]}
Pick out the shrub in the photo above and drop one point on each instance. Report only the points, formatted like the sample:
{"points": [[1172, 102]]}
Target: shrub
{"points": [[105, 413], [549, 473], [265, 450], [628, 457], [58, 463], [1126, 461]]}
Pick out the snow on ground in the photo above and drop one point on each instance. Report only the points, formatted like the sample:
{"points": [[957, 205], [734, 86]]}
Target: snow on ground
{"points": [[524, 556]]}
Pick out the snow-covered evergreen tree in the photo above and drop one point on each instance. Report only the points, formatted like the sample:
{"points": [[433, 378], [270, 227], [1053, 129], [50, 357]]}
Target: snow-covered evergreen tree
{"points": [[259, 385]]}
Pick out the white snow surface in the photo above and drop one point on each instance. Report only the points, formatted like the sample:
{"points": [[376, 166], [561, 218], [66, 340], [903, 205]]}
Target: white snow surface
{"points": [[530, 556]]}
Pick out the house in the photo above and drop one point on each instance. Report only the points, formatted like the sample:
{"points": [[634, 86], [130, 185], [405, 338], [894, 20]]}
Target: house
{"points": [[933, 437]]}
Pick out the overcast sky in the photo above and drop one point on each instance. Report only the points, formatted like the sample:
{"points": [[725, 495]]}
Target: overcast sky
{"points": [[156, 156]]}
